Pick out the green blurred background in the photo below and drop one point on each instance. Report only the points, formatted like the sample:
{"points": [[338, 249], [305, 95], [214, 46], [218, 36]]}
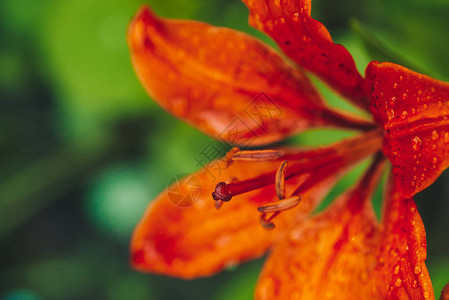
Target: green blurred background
{"points": [[84, 149]]}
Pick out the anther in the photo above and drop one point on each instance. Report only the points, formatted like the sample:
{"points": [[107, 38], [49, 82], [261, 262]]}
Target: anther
{"points": [[266, 223], [235, 154], [280, 205], [280, 180]]}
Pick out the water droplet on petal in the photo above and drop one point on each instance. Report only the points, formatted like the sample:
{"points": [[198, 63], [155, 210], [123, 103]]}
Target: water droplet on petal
{"points": [[446, 138], [435, 160], [396, 270], [395, 85], [398, 282], [417, 270], [404, 115], [414, 284], [426, 295], [435, 135], [432, 89], [295, 16], [416, 143]]}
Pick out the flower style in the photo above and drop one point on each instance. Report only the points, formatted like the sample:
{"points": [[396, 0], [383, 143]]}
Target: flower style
{"points": [[214, 78]]}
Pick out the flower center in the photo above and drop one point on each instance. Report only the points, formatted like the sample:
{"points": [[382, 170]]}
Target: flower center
{"points": [[319, 164]]}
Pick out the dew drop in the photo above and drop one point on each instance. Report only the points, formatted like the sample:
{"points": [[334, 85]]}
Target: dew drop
{"points": [[414, 284], [417, 270], [416, 143], [404, 96], [413, 183], [398, 282], [404, 115], [400, 78], [446, 138], [435, 135], [395, 85], [432, 89], [396, 270], [393, 100], [295, 16], [269, 24], [435, 160], [426, 295]]}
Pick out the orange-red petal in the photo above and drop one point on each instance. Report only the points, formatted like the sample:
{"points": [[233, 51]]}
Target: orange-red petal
{"points": [[224, 82], [199, 240], [445, 292], [329, 256], [401, 272], [308, 43], [413, 109]]}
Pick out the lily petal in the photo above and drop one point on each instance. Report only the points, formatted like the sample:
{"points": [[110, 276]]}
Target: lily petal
{"points": [[226, 83], [309, 44], [199, 240], [413, 109], [445, 292], [329, 256], [401, 272]]}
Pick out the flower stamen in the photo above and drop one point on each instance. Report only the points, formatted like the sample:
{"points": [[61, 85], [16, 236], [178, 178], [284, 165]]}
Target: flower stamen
{"points": [[235, 154], [280, 180], [281, 205], [317, 163], [266, 223]]}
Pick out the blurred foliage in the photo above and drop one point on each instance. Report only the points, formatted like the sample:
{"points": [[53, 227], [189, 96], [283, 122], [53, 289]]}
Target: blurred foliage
{"points": [[84, 149]]}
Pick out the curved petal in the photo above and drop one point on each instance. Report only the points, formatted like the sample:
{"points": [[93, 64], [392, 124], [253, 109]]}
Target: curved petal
{"points": [[401, 272], [224, 82], [445, 292], [414, 110], [199, 240], [329, 256], [309, 44]]}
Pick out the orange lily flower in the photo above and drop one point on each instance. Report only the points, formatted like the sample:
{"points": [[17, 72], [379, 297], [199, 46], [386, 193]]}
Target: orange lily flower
{"points": [[217, 79]]}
